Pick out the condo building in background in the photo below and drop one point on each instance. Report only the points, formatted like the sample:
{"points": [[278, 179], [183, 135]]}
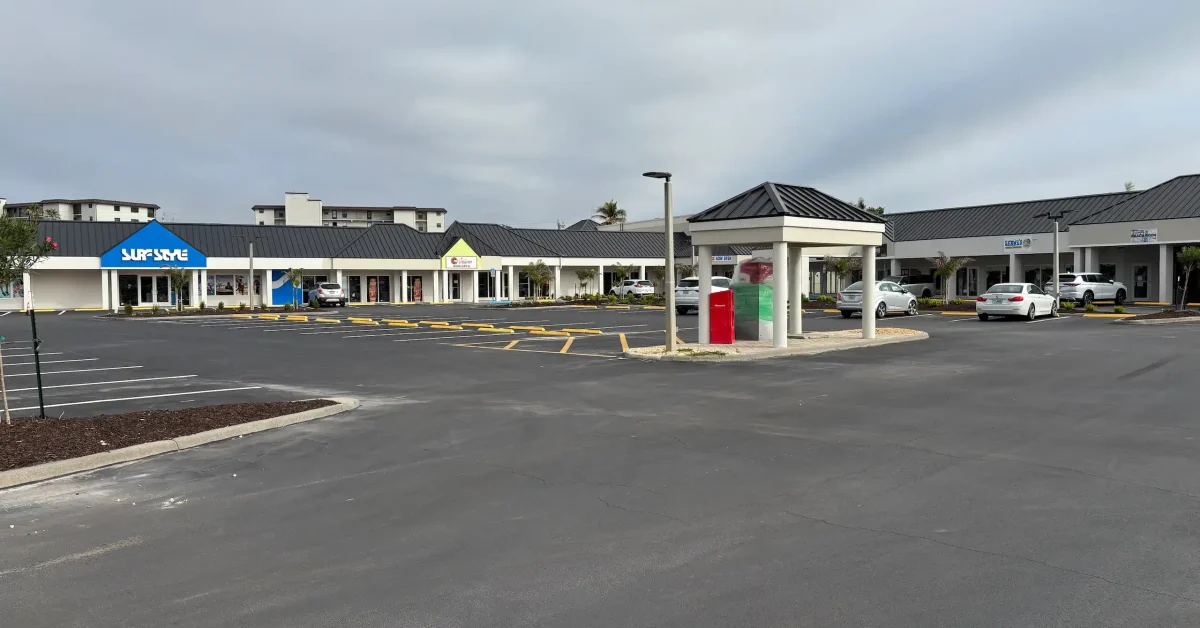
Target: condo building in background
{"points": [[300, 210], [85, 210]]}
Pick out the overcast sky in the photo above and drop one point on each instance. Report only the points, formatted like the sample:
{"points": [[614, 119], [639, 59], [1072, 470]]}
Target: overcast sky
{"points": [[531, 111]]}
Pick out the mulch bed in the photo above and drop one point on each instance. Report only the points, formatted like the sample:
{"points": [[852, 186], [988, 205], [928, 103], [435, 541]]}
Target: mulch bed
{"points": [[1165, 314], [969, 306], [31, 441], [209, 311]]}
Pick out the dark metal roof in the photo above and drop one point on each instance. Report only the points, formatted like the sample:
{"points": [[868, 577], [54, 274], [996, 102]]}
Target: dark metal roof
{"points": [[996, 220], [492, 239], [274, 241], [86, 239], [383, 241], [1177, 198], [776, 199], [587, 224], [598, 244]]}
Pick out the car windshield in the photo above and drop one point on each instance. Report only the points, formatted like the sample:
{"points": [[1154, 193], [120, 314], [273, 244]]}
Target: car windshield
{"points": [[689, 283], [893, 279], [858, 285], [331, 286], [1006, 288], [646, 283], [1066, 278]]}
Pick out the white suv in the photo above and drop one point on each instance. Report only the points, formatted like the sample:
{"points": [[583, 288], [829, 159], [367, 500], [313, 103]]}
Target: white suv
{"points": [[636, 287], [687, 293], [1088, 287]]}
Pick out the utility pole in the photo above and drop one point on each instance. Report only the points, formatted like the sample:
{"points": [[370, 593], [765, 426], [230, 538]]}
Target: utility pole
{"points": [[1057, 217], [250, 288]]}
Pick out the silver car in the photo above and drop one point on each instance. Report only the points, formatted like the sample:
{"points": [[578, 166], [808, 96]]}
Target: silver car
{"points": [[328, 294], [1088, 287], [889, 297], [687, 293]]}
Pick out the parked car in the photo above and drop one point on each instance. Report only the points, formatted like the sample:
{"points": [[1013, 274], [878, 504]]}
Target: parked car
{"points": [[889, 297], [1087, 287], [328, 294], [1015, 299], [633, 286], [922, 286], [687, 293]]}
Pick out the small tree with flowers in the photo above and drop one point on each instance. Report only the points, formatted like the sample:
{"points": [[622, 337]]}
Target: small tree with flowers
{"points": [[21, 248]]}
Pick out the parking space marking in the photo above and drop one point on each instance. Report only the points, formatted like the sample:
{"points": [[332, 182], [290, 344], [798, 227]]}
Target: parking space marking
{"points": [[30, 355], [418, 331], [589, 355], [118, 381], [624, 342], [385, 333], [1048, 318], [512, 344], [566, 345], [6, 314], [107, 368], [140, 397], [53, 361], [61, 313]]}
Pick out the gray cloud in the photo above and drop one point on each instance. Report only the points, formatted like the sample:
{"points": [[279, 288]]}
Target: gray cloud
{"points": [[535, 111]]}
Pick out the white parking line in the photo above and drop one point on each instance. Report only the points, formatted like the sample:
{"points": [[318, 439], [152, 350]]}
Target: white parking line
{"points": [[61, 313], [116, 399], [1048, 318], [30, 355], [117, 381], [52, 362], [107, 368], [5, 314]]}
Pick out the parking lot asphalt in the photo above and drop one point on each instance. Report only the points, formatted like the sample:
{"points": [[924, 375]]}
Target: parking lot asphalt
{"points": [[998, 474]]}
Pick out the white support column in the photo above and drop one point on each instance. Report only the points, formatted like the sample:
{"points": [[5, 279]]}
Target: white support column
{"points": [[868, 296], [600, 279], [498, 282], [196, 289], [779, 258], [203, 285], [805, 274], [705, 263], [27, 280], [895, 267], [795, 274], [512, 283], [1166, 274], [267, 299], [104, 290], [433, 296], [558, 291], [114, 290], [642, 271], [1089, 260], [1077, 266], [980, 280], [1015, 273], [404, 296]]}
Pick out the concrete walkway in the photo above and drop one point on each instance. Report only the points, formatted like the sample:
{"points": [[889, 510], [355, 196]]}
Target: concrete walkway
{"points": [[806, 344]]}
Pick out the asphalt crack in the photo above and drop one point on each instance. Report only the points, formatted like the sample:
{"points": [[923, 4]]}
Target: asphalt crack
{"points": [[515, 472], [644, 512]]}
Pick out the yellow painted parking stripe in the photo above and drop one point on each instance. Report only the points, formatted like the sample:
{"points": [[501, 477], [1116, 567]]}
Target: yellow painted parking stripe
{"points": [[362, 322], [655, 307], [1095, 315], [624, 343], [360, 304], [243, 316], [527, 327], [295, 317], [566, 345], [434, 322], [575, 353], [393, 320], [959, 313], [543, 332], [359, 318], [328, 320], [91, 309], [268, 317], [616, 307], [455, 327], [476, 324], [587, 307], [1150, 303], [582, 331], [511, 344], [831, 311], [497, 330], [403, 325]]}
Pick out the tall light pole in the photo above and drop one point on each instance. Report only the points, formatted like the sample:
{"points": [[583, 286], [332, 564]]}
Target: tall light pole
{"points": [[1057, 217], [670, 256], [251, 240]]}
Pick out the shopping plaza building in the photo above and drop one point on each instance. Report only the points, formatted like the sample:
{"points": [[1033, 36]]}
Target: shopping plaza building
{"points": [[1129, 236]]}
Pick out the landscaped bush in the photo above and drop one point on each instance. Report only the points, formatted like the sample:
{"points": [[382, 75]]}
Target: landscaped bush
{"points": [[128, 309], [826, 298], [647, 299], [1068, 305], [1120, 309], [929, 302], [220, 305], [314, 304], [154, 310], [1090, 307], [957, 301], [631, 298], [287, 307], [804, 298], [202, 306]]}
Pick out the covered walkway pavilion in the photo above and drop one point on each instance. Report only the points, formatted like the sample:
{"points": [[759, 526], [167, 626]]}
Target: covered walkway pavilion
{"points": [[789, 218]]}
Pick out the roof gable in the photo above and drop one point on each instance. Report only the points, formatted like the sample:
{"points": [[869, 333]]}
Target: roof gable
{"points": [[391, 241], [770, 200], [1001, 219], [1173, 199], [153, 246]]}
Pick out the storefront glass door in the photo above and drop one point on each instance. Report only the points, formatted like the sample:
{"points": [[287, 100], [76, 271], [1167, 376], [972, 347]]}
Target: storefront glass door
{"points": [[455, 287], [414, 288], [127, 287], [1141, 282], [153, 289], [355, 289], [378, 289]]}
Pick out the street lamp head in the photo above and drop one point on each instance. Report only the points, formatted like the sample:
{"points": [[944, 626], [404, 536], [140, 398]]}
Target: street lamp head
{"points": [[657, 175]]}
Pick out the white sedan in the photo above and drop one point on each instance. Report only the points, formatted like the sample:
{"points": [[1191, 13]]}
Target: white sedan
{"points": [[1015, 299]]}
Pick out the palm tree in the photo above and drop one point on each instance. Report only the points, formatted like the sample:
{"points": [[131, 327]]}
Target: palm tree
{"points": [[179, 278], [539, 274], [946, 268], [296, 277], [610, 214]]}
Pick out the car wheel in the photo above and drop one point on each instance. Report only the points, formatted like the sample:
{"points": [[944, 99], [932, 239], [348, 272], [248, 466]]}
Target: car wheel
{"points": [[846, 313], [1032, 313], [983, 317], [912, 308], [881, 310], [1088, 297], [1054, 309], [927, 294], [1120, 298]]}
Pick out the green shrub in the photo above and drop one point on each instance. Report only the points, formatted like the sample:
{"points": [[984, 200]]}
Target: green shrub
{"points": [[128, 309], [1068, 305], [804, 298], [957, 301], [314, 304], [154, 310], [647, 299], [1120, 309], [612, 298], [631, 298], [241, 307], [287, 307], [202, 306], [1090, 307], [220, 305]]}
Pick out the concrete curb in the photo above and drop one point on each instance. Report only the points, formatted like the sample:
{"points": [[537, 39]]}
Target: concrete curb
{"points": [[1160, 321], [49, 470], [776, 353]]}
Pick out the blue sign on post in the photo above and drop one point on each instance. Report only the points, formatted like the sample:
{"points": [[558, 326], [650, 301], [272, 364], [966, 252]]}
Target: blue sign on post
{"points": [[492, 272], [153, 246]]}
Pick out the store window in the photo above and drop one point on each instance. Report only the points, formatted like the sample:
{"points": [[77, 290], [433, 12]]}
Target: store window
{"points": [[1109, 271]]}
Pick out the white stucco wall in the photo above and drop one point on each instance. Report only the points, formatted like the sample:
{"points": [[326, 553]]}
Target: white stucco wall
{"points": [[65, 289]]}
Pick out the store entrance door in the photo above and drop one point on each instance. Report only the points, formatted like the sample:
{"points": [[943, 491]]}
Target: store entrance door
{"points": [[455, 287], [127, 288], [154, 290], [355, 289], [1141, 282], [378, 289]]}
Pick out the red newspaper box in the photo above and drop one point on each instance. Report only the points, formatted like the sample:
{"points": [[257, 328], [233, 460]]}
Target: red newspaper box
{"points": [[720, 317]]}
